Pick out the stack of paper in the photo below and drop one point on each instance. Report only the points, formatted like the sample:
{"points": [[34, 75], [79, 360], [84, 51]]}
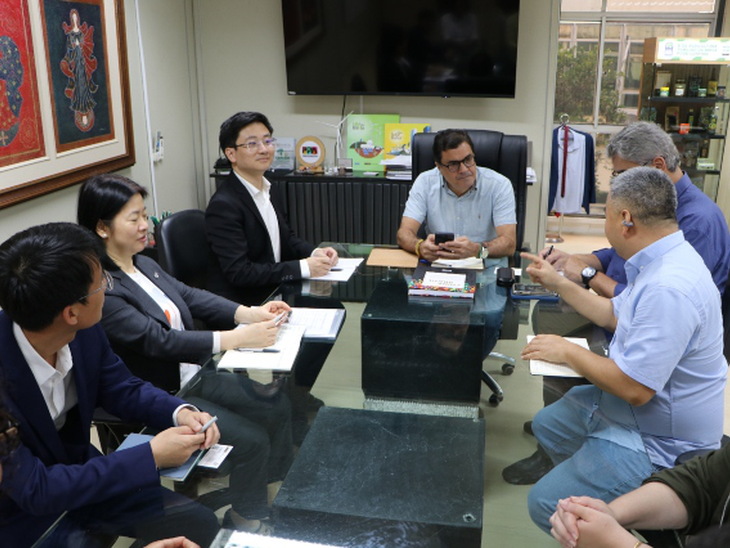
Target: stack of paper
{"points": [[319, 323], [474, 263], [342, 271], [278, 357], [549, 369], [398, 168]]}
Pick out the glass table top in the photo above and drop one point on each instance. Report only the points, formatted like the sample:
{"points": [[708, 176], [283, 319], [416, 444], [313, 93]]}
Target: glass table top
{"points": [[385, 340]]}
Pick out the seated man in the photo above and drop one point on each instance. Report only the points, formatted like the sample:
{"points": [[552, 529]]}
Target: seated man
{"points": [[699, 218], [474, 203], [252, 244], [660, 393], [690, 498], [56, 367]]}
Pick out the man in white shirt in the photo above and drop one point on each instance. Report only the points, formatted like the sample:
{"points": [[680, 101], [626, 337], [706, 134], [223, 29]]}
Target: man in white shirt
{"points": [[252, 244], [56, 368]]}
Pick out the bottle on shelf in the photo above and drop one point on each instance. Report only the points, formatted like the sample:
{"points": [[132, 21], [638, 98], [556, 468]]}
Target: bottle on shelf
{"points": [[691, 118], [712, 126], [704, 148]]}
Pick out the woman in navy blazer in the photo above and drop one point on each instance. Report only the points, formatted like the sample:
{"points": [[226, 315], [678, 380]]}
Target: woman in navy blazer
{"points": [[149, 318]]}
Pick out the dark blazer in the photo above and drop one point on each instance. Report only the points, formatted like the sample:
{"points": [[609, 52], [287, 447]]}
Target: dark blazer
{"points": [[241, 252], [55, 471], [141, 334]]}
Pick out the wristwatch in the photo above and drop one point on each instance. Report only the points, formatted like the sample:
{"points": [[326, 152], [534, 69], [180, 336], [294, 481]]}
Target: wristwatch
{"points": [[483, 251], [587, 274]]}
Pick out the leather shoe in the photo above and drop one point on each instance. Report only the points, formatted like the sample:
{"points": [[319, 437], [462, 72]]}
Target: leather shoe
{"points": [[529, 470]]}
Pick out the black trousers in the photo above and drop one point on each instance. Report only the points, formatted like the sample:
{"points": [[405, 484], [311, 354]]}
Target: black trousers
{"points": [[258, 426]]}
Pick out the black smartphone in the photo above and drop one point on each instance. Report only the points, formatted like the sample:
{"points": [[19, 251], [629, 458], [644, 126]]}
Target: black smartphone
{"points": [[443, 237]]}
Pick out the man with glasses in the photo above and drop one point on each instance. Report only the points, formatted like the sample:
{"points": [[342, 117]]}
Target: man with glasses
{"points": [[701, 220], [474, 203], [56, 367], [245, 223]]}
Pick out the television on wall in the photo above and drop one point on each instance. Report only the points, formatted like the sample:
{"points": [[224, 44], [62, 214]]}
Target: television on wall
{"points": [[401, 47]]}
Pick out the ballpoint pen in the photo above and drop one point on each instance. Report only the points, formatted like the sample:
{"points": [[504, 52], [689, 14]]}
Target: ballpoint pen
{"points": [[207, 424], [549, 251], [265, 350]]}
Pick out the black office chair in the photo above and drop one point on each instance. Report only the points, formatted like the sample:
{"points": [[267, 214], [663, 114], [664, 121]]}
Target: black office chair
{"points": [[505, 154], [183, 248]]}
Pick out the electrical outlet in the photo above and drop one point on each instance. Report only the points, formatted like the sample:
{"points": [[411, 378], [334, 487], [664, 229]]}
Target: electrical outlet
{"points": [[158, 151]]}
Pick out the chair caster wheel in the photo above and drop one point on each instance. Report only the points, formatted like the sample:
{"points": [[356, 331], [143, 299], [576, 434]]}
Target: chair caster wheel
{"points": [[494, 400], [507, 369]]}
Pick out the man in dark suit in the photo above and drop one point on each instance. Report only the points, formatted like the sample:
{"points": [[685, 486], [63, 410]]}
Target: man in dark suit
{"points": [[56, 367], [252, 244]]}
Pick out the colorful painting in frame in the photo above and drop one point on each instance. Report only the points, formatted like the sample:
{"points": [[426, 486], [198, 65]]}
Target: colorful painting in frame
{"points": [[76, 59], [21, 133], [83, 81]]}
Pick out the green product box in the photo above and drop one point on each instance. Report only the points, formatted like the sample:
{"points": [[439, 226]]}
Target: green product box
{"points": [[366, 140]]}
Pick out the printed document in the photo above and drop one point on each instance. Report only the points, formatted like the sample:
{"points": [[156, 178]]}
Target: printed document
{"points": [[342, 271], [319, 323], [277, 357]]}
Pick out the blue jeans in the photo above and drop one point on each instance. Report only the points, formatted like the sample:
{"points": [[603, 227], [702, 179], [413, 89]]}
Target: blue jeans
{"points": [[593, 456]]}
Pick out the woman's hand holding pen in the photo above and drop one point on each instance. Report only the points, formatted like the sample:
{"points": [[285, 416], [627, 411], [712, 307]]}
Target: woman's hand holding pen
{"points": [[265, 312], [254, 335]]}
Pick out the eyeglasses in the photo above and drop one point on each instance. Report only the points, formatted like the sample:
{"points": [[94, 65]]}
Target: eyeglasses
{"points": [[453, 167], [252, 145], [107, 282], [616, 173], [9, 438]]}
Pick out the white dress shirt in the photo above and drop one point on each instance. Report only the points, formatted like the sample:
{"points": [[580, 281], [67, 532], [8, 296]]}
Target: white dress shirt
{"points": [[57, 384], [262, 199]]}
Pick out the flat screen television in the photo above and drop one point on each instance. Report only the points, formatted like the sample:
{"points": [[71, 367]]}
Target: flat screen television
{"points": [[401, 47]]}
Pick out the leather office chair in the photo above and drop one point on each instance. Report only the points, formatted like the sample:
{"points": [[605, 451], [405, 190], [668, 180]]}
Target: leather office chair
{"points": [[505, 154], [183, 248]]}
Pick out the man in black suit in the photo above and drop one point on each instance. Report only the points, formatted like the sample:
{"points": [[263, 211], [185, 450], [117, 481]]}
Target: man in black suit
{"points": [[251, 242]]}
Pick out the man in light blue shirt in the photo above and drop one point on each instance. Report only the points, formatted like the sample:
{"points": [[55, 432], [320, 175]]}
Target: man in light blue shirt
{"points": [[474, 203], [660, 393]]}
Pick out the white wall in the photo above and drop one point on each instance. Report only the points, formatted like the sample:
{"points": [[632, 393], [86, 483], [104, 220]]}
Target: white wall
{"points": [[237, 47], [243, 69]]}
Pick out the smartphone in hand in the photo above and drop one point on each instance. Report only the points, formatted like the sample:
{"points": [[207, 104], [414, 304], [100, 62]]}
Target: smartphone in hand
{"points": [[443, 237]]}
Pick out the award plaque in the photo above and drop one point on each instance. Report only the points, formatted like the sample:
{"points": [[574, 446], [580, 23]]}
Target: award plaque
{"points": [[310, 152]]}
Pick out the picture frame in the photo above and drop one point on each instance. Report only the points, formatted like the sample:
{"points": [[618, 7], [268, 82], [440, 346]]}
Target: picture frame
{"points": [[72, 109]]}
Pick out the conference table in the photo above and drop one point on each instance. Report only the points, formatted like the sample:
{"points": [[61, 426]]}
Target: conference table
{"points": [[396, 454]]}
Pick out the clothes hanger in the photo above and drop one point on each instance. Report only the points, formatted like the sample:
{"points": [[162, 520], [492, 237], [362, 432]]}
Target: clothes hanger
{"points": [[564, 121]]}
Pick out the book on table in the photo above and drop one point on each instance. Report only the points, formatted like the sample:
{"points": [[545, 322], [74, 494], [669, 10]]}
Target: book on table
{"points": [[448, 283]]}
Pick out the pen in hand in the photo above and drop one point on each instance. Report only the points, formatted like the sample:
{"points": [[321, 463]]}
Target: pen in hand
{"points": [[208, 424], [549, 251]]}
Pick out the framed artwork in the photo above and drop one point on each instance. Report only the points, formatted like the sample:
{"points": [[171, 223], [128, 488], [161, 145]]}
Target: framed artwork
{"points": [[65, 114]]}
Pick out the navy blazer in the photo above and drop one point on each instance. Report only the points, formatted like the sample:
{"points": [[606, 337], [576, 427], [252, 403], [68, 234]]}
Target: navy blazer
{"points": [[241, 252], [589, 181], [141, 334], [49, 474]]}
